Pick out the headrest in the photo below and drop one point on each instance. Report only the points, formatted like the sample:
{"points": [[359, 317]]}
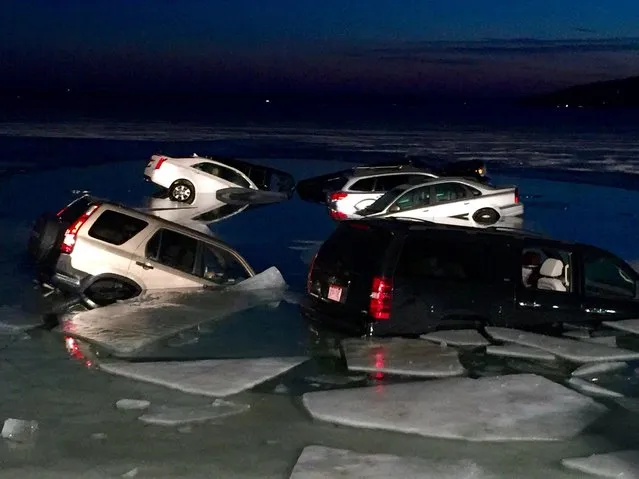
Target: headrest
{"points": [[552, 267]]}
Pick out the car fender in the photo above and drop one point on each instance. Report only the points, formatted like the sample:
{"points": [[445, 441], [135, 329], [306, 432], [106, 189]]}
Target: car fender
{"points": [[93, 279]]}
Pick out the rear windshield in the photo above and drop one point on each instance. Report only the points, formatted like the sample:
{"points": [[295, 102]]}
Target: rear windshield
{"points": [[116, 228], [385, 201], [355, 247], [75, 209]]}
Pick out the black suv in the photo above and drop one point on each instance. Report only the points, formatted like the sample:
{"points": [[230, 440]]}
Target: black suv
{"points": [[394, 277]]}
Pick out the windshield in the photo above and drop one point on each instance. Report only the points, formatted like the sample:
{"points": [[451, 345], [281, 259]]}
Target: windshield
{"points": [[386, 200]]}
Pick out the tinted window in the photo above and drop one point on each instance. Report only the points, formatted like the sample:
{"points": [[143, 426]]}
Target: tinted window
{"points": [[116, 228], [219, 266], [605, 276], [75, 209], [173, 249], [415, 198], [367, 184], [447, 259], [449, 192], [387, 183], [224, 173]]}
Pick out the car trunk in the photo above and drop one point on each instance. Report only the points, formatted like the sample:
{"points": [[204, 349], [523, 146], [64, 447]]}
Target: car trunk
{"points": [[316, 189]]}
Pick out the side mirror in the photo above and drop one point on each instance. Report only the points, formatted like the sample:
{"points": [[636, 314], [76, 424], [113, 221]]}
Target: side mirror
{"points": [[393, 209]]}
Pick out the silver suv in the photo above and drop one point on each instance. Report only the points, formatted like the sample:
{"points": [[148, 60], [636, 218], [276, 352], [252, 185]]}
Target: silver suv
{"points": [[104, 252]]}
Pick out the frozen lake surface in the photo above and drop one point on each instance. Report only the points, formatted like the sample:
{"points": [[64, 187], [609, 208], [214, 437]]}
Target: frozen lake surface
{"points": [[265, 431]]}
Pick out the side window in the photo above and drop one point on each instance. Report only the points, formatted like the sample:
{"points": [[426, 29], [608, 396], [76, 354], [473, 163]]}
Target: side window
{"points": [[388, 182], [367, 184], [445, 260], [449, 192], [173, 249], [223, 172], [605, 276], [546, 268], [219, 266], [116, 228], [473, 191], [417, 198]]}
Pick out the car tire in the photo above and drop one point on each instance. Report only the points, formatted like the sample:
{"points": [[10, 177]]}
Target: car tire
{"points": [[45, 237], [104, 292], [182, 191], [486, 216]]}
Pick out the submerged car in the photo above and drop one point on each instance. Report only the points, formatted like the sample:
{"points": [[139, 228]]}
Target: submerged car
{"points": [[402, 278], [446, 198], [102, 252], [184, 178]]}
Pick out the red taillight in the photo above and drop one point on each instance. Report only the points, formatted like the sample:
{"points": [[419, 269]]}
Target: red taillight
{"points": [[336, 215], [159, 163], [339, 195], [381, 298], [516, 195], [309, 283], [71, 233]]}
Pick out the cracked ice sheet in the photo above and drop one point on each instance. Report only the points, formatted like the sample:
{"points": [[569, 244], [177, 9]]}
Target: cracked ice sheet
{"points": [[599, 368], [213, 378], [318, 462], [592, 389], [128, 327], [518, 351], [625, 325], [521, 407], [177, 416], [570, 349], [412, 357], [459, 337], [617, 465]]}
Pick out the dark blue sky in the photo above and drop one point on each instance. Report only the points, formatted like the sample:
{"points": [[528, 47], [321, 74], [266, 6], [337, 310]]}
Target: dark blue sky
{"points": [[490, 47]]}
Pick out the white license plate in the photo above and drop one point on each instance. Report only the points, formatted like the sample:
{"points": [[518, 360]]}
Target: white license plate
{"points": [[334, 293]]}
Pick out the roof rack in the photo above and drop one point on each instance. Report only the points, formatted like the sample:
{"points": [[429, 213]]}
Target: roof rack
{"points": [[513, 229], [380, 167]]}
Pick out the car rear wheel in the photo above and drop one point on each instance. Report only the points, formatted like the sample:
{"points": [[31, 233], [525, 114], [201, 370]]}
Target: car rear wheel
{"points": [[107, 291], [182, 191], [486, 216]]}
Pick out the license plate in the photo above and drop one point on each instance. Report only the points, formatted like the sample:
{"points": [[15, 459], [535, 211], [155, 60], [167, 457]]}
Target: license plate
{"points": [[335, 293]]}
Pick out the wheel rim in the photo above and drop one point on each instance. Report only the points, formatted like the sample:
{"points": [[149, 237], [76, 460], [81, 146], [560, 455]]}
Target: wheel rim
{"points": [[181, 192]]}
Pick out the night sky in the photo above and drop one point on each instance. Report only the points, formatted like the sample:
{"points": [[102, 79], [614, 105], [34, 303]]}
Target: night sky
{"points": [[468, 47]]}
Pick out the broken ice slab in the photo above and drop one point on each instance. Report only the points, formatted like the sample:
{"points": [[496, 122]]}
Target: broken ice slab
{"points": [[599, 368], [412, 357], [592, 389], [625, 325], [132, 404], [570, 349], [178, 416], [319, 462], [617, 465], [584, 335], [519, 351], [212, 377], [19, 430], [518, 407], [457, 337], [125, 328]]}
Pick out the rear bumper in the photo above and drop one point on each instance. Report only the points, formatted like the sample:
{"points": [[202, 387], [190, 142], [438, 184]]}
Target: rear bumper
{"points": [[346, 324], [68, 279], [516, 209]]}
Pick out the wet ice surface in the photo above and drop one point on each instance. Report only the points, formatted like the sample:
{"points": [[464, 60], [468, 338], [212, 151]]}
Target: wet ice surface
{"points": [[412, 357], [598, 368], [462, 337], [627, 325], [613, 465], [592, 389], [502, 408], [176, 416], [518, 351]]}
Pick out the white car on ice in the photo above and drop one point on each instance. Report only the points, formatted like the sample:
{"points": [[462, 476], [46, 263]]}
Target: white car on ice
{"points": [[184, 178], [448, 198]]}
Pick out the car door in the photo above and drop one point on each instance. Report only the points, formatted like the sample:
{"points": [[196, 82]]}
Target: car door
{"points": [[609, 287], [449, 200], [414, 203], [534, 306], [211, 177]]}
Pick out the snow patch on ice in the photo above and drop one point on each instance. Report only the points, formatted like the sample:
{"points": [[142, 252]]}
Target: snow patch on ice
{"points": [[318, 462], [569, 349], [214, 377], [132, 404], [461, 337], [599, 368], [412, 357], [613, 465], [522, 407], [518, 351], [592, 389], [178, 416]]}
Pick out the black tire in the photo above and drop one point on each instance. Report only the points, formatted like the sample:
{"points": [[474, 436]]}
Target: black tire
{"points": [[45, 238], [104, 292], [182, 191], [486, 216]]}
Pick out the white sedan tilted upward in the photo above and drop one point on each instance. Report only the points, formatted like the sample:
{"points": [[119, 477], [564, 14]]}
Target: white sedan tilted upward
{"points": [[448, 198]]}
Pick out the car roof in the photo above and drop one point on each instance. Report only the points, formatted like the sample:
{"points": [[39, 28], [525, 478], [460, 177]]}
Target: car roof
{"points": [[374, 170], [453, 179]]}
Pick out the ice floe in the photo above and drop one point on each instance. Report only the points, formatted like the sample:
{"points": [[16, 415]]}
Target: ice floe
{"points": [[625, 325], [523, 407], [19, 430], [125, 328], [212, 377], [570, 349], [613, 465], [584, 335], [178, 416], [519, 351], [459, 337], [318, 462], [132, 404], [592, 389], [412, 357], [599, 368]]}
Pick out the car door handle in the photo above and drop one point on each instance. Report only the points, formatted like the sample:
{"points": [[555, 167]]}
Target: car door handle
{"points": [[528, 304], [144, 265]]}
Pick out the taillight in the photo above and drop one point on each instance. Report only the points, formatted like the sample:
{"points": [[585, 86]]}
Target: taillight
{"points": [[516, 195], [339, 195], [71, 233], [309, 283], [159, 163], [336, 215], [381, 298]]}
